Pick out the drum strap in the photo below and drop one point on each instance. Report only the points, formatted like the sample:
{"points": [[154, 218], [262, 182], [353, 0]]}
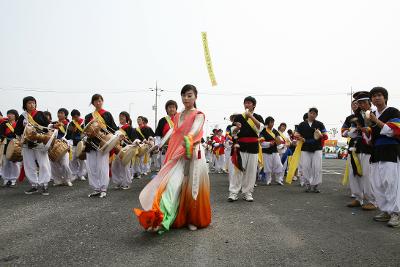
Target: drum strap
{"points": [[62, 129], [78, 126]]}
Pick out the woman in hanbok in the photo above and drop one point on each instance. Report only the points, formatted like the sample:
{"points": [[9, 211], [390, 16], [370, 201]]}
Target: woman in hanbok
{"points": [[179, 195]]}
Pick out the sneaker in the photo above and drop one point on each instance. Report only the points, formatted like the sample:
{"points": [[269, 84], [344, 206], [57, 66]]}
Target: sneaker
{"points": [[136, 176], [268, 183], [45, 191], [315, 189], [117, 187], [8, 184], [368, 206], [94, 194], [308, 188], [13, 185], [280, 183], [102, 195], [382, 217], [82, 178], [232, 197], [69, 183], [394, 221], [125, 187], [294, 178], [145, 174], [192, 227], [354, 204], [248, 197], [31, 191]]}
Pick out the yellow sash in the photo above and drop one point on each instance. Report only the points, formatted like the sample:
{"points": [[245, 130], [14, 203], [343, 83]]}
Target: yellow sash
{"points": [[31, 120], [78, 126], [62, 129], [357, 162], [270, 132], [345, 179], [101, 120], [140, 132], [10, 127], [170, 122], [253, 126], [294, 162]]}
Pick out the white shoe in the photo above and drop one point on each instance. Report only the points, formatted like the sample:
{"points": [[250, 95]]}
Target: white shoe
{"points": [[69, 183], [280, 183], [192, 227], [394, 220], [125, 187], [103, 194], [145, 173], [232, 197], [82, 178], [248, 197]]}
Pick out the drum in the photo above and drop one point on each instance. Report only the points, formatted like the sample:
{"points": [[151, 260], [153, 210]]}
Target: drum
{"points": [[143, 149], [92, 129], [58, 150], [127, 153], [80, 150], [31, 134], [14, 151], [107, 141]]}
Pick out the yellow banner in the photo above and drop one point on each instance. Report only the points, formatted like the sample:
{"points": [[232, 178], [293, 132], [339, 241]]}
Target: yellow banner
{"points": [[208, 59]]}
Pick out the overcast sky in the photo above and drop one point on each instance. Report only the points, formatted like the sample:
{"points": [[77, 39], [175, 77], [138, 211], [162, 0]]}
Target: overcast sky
{"points": [[290, 55]]}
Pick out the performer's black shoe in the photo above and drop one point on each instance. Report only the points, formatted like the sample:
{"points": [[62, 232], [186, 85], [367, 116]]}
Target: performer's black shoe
{"points": [[31, 191]]}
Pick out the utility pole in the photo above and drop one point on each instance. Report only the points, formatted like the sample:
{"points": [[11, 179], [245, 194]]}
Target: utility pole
{"points": [[155, 107]]}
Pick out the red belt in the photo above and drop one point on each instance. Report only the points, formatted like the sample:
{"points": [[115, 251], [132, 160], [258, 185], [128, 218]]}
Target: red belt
{"points": [[248, 139]]}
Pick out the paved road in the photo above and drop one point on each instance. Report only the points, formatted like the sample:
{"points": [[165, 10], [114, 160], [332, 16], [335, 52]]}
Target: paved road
{"points": [[284, 226]]}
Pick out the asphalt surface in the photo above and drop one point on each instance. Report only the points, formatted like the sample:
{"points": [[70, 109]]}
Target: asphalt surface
{"points": [[283, 226]]}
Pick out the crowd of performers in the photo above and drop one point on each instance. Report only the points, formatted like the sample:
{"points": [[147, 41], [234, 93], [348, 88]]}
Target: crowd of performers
{"points": [[250, 151]]}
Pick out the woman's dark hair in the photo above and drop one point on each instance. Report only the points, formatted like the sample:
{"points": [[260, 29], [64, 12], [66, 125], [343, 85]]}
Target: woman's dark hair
{"points": [[13, 111], [187, 88], [381, 90], [268, 120], [96, 97], [145, 120], [290, 131], [26, 100], [171, 103], [250, 99], [63, 110], [75, 112], [313, 109], [47, 114], [282, 124], [305, 116], [127, 116]]}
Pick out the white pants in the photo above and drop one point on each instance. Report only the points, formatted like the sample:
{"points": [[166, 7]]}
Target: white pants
{"points": [[121, 175], [361, 187], [156, 160], [273, 165], [311, 165], [30, 156], [386, 185], [244, 180], [227, 157], [60, 170], [220, 162], [11, 170], [98, 170], [140, 167], [77, 166]]}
